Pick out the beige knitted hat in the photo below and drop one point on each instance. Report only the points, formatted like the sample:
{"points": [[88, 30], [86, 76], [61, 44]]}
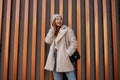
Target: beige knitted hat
{"points": [[54, 16]]}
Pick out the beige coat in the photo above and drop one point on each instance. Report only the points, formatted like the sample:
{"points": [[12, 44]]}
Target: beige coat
{"points": [[65, 37]]}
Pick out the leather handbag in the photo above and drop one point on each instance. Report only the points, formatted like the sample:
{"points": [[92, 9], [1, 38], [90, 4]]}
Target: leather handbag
{"points": [[75, 56]]}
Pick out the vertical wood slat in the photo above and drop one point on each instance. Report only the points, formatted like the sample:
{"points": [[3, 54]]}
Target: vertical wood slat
{"points": [[7, 35], [52, 9], [1, 4], [42, 61], [34, 40], [16, 34], [97, 59], [106, 62], [70, 13], [114, 34], [87, 40], [25, 39], [79, 38], [61, 7], [52, 12]]}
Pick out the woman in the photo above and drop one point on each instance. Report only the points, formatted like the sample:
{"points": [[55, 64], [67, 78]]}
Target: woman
{"points": [[62, 45]]}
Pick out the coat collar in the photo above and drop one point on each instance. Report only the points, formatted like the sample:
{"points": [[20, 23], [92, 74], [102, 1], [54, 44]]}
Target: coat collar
{"points": [[62, 32]]}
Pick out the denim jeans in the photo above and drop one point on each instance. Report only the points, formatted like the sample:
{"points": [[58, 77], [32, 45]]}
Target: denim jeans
{"points": [[57, 75], [70, 75]]}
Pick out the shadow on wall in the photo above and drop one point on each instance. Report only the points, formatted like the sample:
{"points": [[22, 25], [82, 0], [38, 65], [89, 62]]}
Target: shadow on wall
{"points": [[0, 47], [119, 10], [0, 52]]}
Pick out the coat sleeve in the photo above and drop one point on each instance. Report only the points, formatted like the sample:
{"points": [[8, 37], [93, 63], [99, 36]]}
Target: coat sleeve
{"points": [[50, 36], [72, 42]]}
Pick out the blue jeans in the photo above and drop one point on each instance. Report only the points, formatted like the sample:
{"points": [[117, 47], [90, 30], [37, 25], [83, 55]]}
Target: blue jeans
{"points": [[57, 75], [70, 75]]}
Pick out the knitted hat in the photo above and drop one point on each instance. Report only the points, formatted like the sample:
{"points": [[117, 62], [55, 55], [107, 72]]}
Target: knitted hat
{"points": [[54, 16]]}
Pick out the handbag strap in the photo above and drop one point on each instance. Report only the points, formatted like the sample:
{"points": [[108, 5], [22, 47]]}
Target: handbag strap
{"points": [[66, 41]]}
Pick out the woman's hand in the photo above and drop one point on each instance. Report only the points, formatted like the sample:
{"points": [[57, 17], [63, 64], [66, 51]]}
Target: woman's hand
{"points": [[53, 27]]}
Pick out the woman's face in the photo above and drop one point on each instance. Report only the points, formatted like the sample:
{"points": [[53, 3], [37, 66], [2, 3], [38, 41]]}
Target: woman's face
{"points": [[59, 21]]}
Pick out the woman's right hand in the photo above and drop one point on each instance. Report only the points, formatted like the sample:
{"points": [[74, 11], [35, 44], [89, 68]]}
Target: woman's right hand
{"points": [[53, 27]]}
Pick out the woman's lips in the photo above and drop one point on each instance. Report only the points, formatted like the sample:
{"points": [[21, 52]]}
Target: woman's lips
{"points": [[59, 23]]}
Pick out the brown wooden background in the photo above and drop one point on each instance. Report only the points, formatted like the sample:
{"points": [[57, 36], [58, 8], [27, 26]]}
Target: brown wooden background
{"points": [[24, 24]]}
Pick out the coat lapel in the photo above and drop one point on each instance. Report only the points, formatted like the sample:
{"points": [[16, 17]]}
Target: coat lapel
{"points": [[62, 32]]}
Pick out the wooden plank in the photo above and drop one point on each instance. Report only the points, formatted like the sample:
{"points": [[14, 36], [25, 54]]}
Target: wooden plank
{"points": [[7, 35], [34, 40], [97, 58], [25, 39], [52, 9], [70, 13], [15, 54], [1, 4], [114, 34], [79, 39], [42, 61], [61, 7], [87, 13], [52, 13], [105, 28]]}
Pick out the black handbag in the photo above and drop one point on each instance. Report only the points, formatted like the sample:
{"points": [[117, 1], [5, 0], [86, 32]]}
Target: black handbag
{"points": [[75, 56]]}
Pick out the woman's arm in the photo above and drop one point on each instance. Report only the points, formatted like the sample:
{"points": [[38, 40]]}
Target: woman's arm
{"points": [[50, 36], [72, 42]]}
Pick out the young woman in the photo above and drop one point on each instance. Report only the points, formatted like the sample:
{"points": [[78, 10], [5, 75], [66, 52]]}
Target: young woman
{"points": [[62, 45]]}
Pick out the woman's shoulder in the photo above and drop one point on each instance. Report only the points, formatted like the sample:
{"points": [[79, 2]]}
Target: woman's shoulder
{"points": [[69, 30], [67, 27]]}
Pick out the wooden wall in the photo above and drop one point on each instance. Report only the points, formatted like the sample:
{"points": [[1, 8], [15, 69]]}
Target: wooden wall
{"points": [[24, 24]]}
